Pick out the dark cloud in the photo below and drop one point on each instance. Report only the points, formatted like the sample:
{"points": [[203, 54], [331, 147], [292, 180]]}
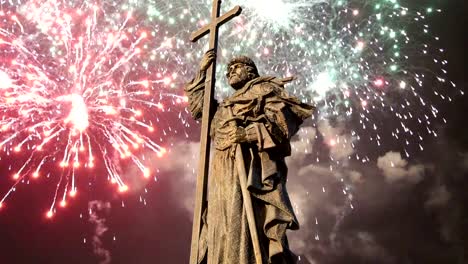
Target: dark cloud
{"points": [[395, 168], [181, 162], [403, 210], [438, 197], [464, 162], [341, 143]]}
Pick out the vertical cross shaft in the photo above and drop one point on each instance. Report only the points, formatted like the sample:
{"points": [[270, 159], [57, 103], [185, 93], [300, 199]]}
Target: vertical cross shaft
{"points": [[203, 166]]}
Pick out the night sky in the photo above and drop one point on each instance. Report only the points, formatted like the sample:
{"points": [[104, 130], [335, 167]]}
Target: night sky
{"points": [[417, 215]]}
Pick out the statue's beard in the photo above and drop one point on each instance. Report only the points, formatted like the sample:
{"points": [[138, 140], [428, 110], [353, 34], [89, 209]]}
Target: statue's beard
{"points": [[238, 81]]}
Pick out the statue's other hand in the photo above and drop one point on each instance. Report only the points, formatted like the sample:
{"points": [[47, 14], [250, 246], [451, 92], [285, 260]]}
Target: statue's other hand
{"points": [[237, 135], [207, 60]]}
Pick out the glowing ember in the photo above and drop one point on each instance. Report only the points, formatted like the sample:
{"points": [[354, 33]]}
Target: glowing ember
{"points": [[379, 82], [5, 81]]}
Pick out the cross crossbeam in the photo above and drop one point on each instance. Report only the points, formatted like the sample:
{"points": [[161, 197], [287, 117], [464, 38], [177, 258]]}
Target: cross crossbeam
{"points": [[219, 22]]}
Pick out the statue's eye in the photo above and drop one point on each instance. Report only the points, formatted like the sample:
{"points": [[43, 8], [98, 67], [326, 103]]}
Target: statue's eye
{"points": [[233, 67]]}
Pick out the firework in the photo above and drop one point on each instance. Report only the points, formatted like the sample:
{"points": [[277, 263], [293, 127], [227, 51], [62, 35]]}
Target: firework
{"points": [[74, 91], [87, 82]]}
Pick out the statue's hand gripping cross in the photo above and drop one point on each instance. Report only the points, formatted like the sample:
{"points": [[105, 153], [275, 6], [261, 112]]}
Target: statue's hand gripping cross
{"points": [[202, 178]]}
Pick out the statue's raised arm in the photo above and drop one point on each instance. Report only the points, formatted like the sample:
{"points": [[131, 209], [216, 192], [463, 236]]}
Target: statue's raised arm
{"points": [[195, 89]]}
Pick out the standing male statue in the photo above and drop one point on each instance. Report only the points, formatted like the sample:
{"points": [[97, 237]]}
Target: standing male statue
{"points": [[261, 118]]}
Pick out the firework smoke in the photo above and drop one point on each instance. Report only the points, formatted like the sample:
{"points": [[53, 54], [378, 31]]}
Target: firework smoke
{"points": [[95, 208]]}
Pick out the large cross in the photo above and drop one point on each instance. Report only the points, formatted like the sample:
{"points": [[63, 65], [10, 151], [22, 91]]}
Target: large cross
{"points": [[202, 177]]}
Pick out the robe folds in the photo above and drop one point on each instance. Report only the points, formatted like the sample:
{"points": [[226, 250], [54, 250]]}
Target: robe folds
{"points": [[271, 117]]}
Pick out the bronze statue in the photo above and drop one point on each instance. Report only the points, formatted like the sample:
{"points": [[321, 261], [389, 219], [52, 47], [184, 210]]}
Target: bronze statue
{"points": [[251, 131]]}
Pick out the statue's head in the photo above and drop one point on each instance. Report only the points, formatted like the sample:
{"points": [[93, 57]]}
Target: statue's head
{"points": [[240, 71]]}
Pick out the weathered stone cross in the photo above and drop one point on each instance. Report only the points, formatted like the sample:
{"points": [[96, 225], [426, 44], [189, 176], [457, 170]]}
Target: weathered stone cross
{"points": [[203, 166]]}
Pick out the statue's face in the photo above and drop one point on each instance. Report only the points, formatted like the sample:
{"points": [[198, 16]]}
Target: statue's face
{"points": [[238, 75]]}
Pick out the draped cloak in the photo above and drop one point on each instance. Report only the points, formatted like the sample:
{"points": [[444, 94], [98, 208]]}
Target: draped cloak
{"points": [[272, 116]]}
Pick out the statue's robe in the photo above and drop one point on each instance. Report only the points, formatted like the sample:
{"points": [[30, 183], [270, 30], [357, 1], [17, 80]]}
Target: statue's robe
{"points": [[265, 109]]}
